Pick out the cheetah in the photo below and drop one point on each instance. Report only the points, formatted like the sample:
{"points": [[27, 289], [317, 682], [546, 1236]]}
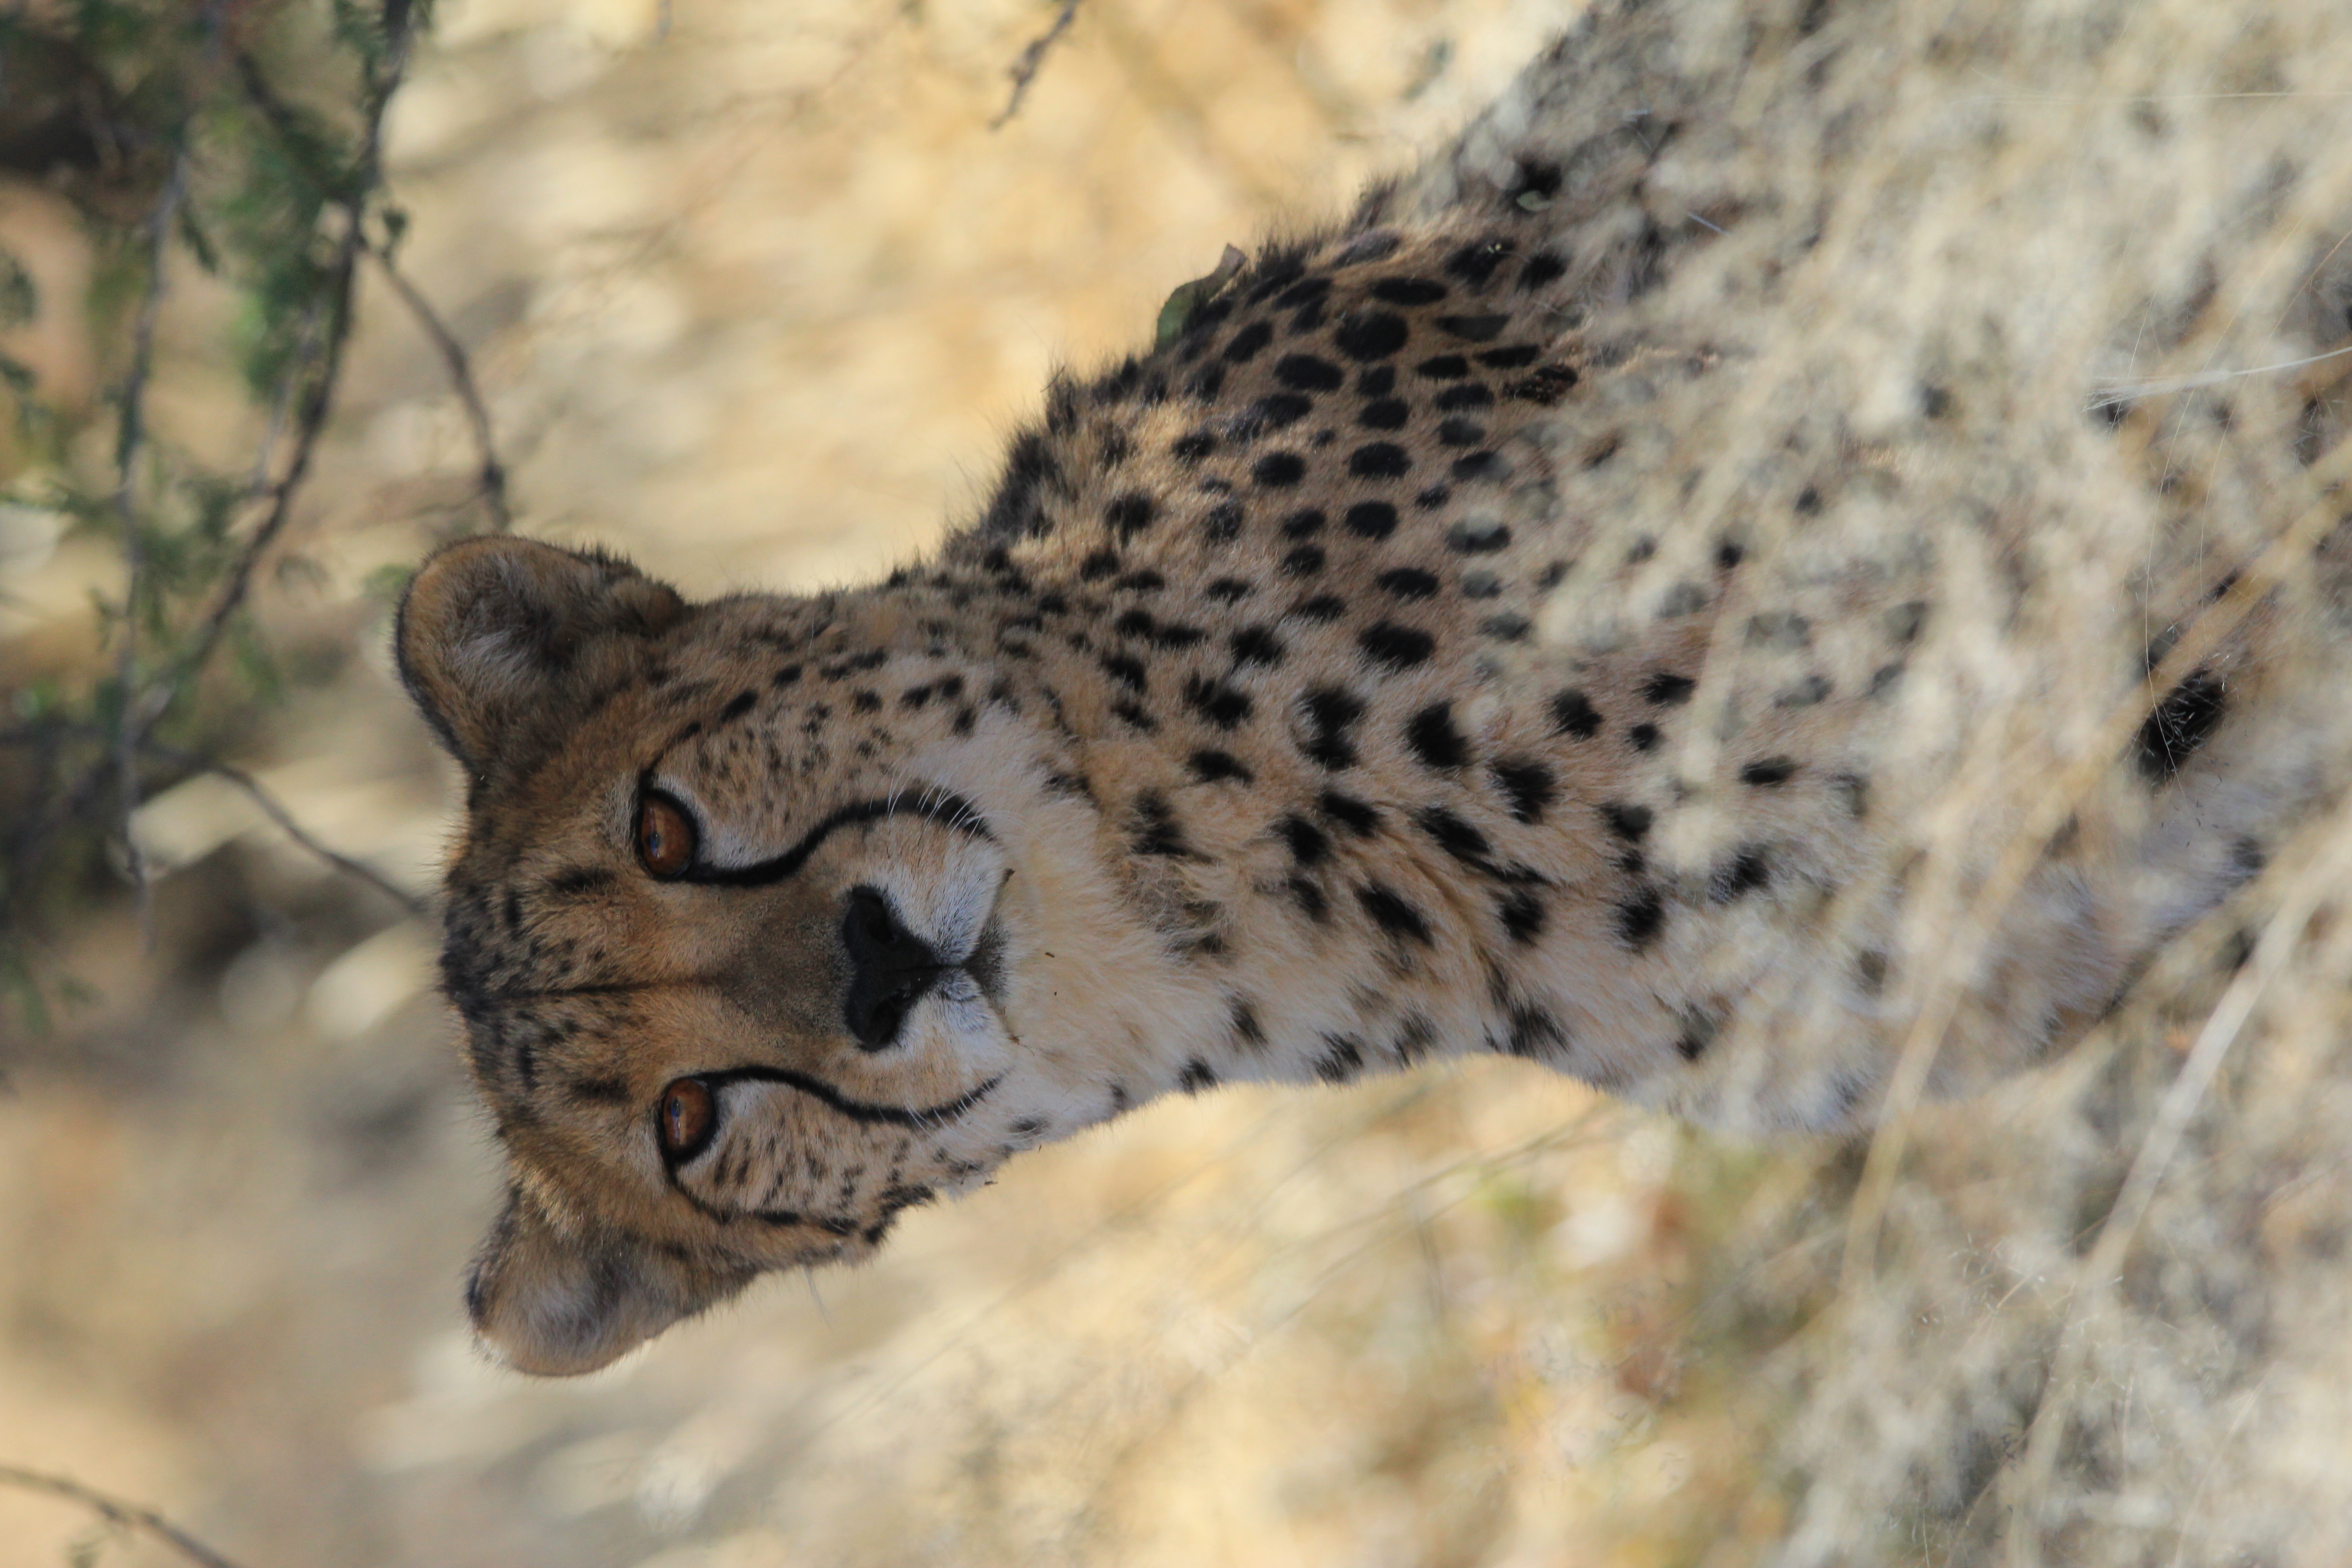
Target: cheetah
{"points": [[1290, 713]]}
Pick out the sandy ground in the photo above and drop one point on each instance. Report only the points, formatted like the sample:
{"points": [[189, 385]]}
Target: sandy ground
{"points": [[753, 291]]}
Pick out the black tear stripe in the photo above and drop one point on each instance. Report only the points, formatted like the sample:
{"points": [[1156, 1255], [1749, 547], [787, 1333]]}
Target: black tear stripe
{"points": [[926, 1118], [950, 811]]}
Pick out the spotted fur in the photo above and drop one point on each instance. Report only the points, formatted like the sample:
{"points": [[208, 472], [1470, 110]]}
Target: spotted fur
{"points": [[1229, 742]]}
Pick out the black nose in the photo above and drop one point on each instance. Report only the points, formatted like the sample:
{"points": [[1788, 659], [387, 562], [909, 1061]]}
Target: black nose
{"points": [[889, 968]]}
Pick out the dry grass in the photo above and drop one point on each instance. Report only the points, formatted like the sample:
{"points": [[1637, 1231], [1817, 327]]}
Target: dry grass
{"points": [[756, 301]]}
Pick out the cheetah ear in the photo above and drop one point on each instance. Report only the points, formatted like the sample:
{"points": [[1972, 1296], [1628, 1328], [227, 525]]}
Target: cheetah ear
{"points": [[499, 640], [554, 1301]]}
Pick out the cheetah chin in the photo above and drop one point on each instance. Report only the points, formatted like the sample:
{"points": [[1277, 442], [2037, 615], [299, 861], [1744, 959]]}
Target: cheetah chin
{"points": [[1283, 719]]}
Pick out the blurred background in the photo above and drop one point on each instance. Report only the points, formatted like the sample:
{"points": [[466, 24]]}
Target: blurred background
{"points": [[751, 292], [292, 290]]}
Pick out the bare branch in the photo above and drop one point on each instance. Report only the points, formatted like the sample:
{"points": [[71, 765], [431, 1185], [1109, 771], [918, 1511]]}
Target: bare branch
{"points": [[461, 380], [130, 437], [115, 1512], [1025, 71], [274, 809]]}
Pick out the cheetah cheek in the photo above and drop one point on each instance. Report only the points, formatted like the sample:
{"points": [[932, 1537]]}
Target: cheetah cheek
{"points": [[556, 1301]]}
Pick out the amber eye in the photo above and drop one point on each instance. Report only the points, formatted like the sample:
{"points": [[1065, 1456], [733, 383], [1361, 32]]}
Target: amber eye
{"points": [[689, 1116], [665, 836]]}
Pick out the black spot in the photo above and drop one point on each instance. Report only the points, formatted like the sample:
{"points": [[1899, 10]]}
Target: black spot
{"points": [[1477, 537], [1461, 433], [1377, 382], [1640, 918], [1522, 914], [1206, 383], [1096, 566], [1310, 899], [1434, 740], [1698, 1034], [1246, 1025], [1474, 264], [1255, 645], [1396, 646], [1626, 820], [1126, 669], [1808, 692], [1322, 608], [1870, 972], [1306, 842], [1769, 772], [2181, 723], [1329, 714], [1157, 830], [1534, 1030], [1192, 448], [1305, 372], [1477, 466], [1228, 590], [1391, 913], [1129, 515], [1369, 334], [1246, 343], [1371, 519], [1474, 329], [1305, 560], [866, 701], [1669, 690], [1548, 387], [1384, 413], [1749, 870], [1379, 461], [1409, 583], [1342, 1059], [1303, 524], [1134, 716], [1642, 737], [786, 676], [1573, 714], [1220, 704], [1541, 269], [1444, 367], [1349, 813], [1197, 1076], [1469, 395], [1529, 786], [1507, 628], [1518, 356], [1133, 624], [1277, 411], [1222, 524], [1213, 767], [1279, 470], [1409, 290], [1451, 833]]}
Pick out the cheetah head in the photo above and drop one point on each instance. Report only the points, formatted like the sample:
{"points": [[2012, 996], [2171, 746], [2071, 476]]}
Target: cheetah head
{"points": [[750, 926]]}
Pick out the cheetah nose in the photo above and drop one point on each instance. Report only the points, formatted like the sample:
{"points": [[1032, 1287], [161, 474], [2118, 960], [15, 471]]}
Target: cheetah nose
{"points": [[889, 968]]}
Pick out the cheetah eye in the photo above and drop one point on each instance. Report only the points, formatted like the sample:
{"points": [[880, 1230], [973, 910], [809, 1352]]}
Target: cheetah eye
{"points": [[687, 1117], [665, 836]]}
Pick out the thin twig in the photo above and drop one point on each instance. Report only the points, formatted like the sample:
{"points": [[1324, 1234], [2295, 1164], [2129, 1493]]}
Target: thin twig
{"points": [[115, 1512], [130, 437], [276, 810], [188, 762], [1025, 71], [461, 380]]}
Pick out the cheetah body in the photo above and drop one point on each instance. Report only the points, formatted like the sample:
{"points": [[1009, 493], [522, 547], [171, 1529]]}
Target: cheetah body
{"points": [[1241, 739]]}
